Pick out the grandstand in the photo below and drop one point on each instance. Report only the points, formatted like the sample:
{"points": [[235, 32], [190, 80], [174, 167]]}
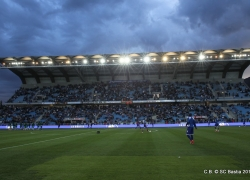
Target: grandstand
{"points": [[162, 87]]}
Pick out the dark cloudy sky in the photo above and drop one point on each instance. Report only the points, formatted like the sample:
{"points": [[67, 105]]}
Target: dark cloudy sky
{"points": [[72, 27]]}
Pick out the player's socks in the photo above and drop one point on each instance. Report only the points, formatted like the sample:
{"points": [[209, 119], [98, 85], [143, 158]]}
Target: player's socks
{"points": [[192, 142], [191, 137]]}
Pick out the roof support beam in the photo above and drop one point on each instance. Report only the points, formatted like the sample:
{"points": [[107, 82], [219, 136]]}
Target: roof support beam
{"points": [[159, 71], [192, 70], [112, 73], [79, 71], [96, 73], [34, 74], [64, 72], [226, 69], [209, 69], [49, 73], [127, 74], [175, 71], [143, 72]]}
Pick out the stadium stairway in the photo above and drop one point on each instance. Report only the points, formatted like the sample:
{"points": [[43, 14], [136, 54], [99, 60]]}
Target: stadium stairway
{"points": [[215, 94], [39, 118], [33, 98], [230, 114], [214, 115]]}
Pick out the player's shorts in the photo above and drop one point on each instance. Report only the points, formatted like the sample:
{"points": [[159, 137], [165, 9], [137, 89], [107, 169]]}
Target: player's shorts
{"points": [[216, 127], [190, 131]]}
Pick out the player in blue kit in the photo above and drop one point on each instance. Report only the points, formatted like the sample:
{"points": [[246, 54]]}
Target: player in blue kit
{"points": [[244, 122], [191, 124], [217, 126], [138, 125], [144, 126]]}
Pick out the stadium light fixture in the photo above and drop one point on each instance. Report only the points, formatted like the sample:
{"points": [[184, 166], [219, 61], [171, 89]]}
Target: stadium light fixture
{"points": [[146, 59], [165, 58], [124, 60], [102, 61], [85, 61], [221, 56], [201, 57], [121, 60], [182, 58]]}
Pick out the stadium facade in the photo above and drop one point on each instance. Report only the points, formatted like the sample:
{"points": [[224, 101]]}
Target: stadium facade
{"points": [[210, 78], [225, 64]]}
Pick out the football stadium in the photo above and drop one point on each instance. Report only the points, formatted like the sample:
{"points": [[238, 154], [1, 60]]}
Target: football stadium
{"points": [[123, 116]]}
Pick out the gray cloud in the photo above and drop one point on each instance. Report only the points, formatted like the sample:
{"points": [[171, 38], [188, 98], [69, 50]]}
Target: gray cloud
{"points": [[220, 17]]}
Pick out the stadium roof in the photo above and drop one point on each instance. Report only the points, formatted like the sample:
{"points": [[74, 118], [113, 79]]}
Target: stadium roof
{"points": [[129, 66]]}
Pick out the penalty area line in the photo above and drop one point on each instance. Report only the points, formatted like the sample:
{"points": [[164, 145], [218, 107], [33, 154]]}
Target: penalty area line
{"points": [[10, 147]]}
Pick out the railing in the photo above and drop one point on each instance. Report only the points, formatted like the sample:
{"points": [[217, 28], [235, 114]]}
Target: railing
{"points": [[224, 99]]}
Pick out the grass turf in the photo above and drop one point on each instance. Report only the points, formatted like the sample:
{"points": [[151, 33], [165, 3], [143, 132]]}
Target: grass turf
{"points": [[165, 153]]}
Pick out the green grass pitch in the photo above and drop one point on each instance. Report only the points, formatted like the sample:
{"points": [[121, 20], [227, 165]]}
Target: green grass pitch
{"points": [[165, 153]]}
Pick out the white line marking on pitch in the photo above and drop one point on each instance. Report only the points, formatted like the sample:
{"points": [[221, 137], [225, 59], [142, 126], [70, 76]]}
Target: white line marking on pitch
{"points": [[154, 130], [43, 141]]}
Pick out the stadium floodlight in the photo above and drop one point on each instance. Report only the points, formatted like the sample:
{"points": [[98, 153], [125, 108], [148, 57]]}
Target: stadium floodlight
{"points": [[165, 58], [146, 59], [102, 61], [124, 60], [121, 60], [221, 56], [201, 57], [85, 61], [182, 58]]}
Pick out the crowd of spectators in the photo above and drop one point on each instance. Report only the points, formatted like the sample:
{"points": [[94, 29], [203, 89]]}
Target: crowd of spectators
{"points": [[241, 111], [231, 89], [109, 114], [116, 91], [187, 90], [121, 113], [17, 114]]}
